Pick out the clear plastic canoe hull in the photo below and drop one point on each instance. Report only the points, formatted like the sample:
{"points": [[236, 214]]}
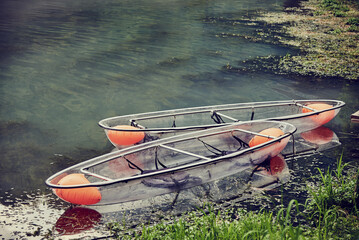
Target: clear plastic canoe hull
{"points": [[232, 189], [266, 176], [170, 164], [303, 114]]}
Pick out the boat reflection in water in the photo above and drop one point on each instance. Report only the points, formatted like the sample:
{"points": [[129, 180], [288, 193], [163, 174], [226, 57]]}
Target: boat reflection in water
{"points": [[311, 142], [268, 175]]}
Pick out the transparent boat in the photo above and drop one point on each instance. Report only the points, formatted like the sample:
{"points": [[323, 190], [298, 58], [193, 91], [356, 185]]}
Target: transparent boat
{"points": [[169, 164], [268, 175], [124, 131]]}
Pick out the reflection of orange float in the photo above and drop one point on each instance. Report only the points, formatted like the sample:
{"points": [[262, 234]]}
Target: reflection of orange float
{"points": [[82, 196], [276, 165], [320, 135], [76, 220], [125, 138], [321, 118]]}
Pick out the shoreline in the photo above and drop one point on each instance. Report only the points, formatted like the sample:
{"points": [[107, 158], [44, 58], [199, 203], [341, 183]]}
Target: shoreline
{"points": [[327, 44], [329, 47]]}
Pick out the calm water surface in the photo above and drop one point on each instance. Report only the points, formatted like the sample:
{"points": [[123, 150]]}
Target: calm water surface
{"points": [[65, 65]]}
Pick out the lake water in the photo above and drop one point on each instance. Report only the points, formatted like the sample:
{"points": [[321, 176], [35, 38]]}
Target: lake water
{"points": [[65, 65]]}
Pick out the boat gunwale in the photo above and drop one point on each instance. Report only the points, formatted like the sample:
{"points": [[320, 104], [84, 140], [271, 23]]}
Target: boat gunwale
{"points": [[209, 109], [172, 170]]}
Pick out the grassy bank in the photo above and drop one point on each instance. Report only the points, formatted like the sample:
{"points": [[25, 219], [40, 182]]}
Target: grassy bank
{"points": [[330, 212], [326, 32]]}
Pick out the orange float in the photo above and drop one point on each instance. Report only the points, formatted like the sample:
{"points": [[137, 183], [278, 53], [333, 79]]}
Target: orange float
{"points": [[321, 118], [320, 135], [82, 196], [276, 148], [125, 138], [273, 132]]}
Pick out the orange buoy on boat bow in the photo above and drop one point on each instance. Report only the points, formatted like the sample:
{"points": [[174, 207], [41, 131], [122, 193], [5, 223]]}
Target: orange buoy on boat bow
{"points": [[125, 138], [82, 196], [272, 132], [321, 118]]}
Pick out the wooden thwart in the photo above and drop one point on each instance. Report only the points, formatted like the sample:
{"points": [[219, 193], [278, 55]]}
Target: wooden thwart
{"points": [[355, 117]]}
